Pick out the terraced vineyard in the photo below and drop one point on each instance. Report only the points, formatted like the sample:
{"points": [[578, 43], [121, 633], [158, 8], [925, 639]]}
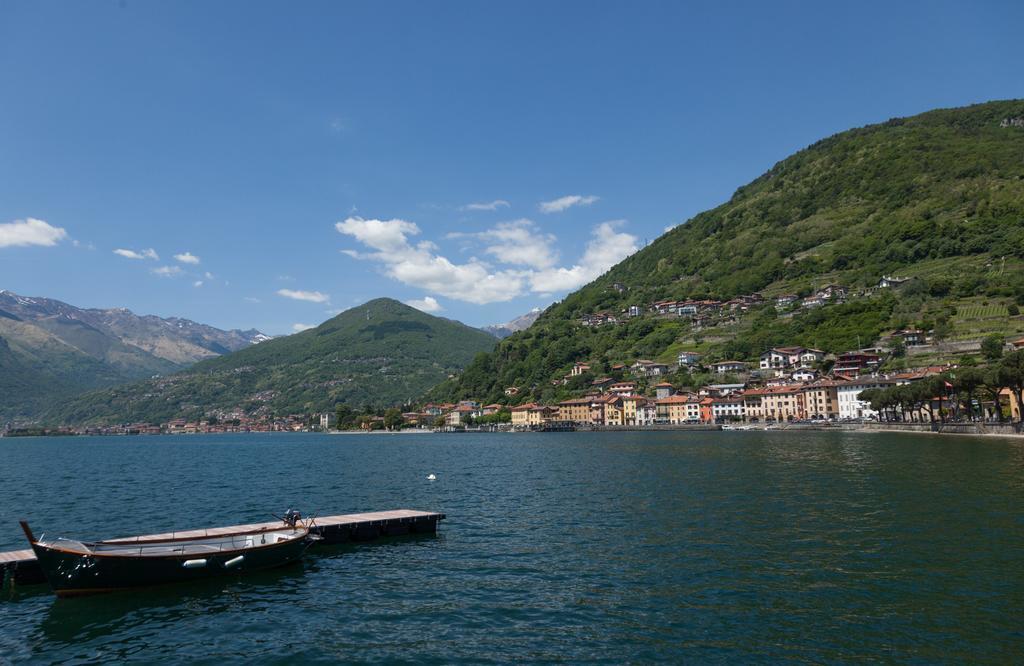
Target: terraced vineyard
{"points": [[982, 311]]}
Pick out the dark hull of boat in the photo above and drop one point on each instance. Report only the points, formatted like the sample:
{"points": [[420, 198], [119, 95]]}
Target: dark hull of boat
{"points": [[74, 574]]}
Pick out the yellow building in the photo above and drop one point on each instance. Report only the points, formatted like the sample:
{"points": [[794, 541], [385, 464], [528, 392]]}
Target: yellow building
{"points": [[576, 410], [540, 414], [1007, 399], [753, 405], [613, 412], [521, 414], [674, 409], [630, 408], [783, 403], [821, 400]]}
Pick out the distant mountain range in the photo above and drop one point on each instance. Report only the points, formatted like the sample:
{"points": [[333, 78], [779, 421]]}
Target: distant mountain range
{"points": [[520, 323], [380, 353], [50, 350]]}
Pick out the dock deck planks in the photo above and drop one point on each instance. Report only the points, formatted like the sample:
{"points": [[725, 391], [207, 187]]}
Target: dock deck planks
{"points": [[334, 529]]}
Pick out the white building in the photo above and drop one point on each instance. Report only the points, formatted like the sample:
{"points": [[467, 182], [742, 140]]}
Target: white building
{"points": [[726, 367], [728, 410], [647, 413], [848, 394], [688, 358]]}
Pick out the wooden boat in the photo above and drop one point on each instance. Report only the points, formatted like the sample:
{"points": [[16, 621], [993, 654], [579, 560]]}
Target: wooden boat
{"points": [[82, 567]]}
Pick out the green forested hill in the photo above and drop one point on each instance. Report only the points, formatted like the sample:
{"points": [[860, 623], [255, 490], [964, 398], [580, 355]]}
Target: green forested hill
{"points": [[938, 197], [380, 353]]}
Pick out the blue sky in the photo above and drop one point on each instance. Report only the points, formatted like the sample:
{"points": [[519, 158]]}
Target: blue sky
{"points": [[301, 159]]}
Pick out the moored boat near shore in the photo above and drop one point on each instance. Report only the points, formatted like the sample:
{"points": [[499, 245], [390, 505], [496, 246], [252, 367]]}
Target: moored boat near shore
{"points": [[74, 567]]}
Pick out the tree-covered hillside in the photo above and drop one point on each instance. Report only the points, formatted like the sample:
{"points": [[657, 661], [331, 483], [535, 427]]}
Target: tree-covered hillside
{"points": [[938, 197], [380, 353]]}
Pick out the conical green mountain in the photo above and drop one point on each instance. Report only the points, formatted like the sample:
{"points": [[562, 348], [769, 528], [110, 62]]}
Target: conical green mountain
{"points": [[379, 353], [938, 197]]}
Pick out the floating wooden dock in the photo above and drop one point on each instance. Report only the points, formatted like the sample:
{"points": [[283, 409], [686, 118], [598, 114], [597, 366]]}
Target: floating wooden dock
{"points": [[21, 565]]}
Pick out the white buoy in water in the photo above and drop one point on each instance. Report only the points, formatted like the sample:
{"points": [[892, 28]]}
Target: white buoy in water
{"points": [[431, 478]]}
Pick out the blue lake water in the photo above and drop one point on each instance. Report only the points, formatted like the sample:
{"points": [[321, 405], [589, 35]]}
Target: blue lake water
{"points": [[576, 547]]}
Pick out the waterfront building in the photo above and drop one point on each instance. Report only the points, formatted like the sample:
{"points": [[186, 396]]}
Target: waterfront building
{"points": [[848, 397], [821, 399], [727, 409], [576, 410], [521, 414]]}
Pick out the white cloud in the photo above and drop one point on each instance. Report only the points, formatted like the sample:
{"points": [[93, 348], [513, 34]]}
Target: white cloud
{"points": [[425, 304], [197, 283], [298, 328], [167, 271], [144, 254], [518, 243], [30, 231], [299, 295], [381, 235], [475, 281], [208, 275], [250, 299], [566, 202], [606, 249], [187, 258], [490, 205], [417, 265]]}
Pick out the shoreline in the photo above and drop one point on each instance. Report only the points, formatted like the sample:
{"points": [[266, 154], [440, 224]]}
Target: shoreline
{"points": [[1007, 430]]}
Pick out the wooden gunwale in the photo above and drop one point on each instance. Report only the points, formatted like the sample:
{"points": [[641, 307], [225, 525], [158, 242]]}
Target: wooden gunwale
{"points": [[170, 556], [199, 537]]}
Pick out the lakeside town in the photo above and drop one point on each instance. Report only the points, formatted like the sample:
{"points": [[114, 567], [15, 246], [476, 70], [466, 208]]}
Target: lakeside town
{"points": [[787, 385]]}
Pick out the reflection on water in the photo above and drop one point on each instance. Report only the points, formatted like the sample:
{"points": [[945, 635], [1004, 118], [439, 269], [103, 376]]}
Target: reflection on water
{"points": [[571, 546]]}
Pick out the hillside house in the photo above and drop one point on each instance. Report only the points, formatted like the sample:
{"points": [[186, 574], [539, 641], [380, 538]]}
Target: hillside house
{"points": [[804, 375], [832, 292], [888, 281], [729, 367], [598, 319], [722, 390], [911, 337], [687, 359], [784, 301], [664, 390], [852, 364], [579, 369], [623, 388], [644, 368]]}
